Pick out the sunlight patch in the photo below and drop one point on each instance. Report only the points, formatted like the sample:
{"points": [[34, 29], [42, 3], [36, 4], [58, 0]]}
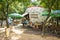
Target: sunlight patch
{"points": [[2, 30], [17, 31], [15, 37]]}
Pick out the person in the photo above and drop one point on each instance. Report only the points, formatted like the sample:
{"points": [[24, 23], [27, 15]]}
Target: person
{"points": [[9, 20], [24, 22]]}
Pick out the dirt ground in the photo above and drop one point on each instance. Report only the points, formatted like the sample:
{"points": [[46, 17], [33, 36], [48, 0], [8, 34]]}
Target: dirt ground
{"points": [[30, 34], [27, 34]]}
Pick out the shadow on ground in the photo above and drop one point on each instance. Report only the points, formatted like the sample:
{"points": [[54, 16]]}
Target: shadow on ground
{"points": [[39, 32]]}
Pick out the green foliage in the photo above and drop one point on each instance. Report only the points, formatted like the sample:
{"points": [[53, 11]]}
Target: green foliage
{"points": [[14, 5], [17, 7], [57, 5], [36, 3], [20, 5], [50, 3]]}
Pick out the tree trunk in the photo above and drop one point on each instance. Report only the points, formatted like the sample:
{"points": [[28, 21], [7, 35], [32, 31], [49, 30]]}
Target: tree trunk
{"points": [[1, 23], [7, 31], [57, 22], [57, 9], [49, 10], [7, 15], [43, 30]]}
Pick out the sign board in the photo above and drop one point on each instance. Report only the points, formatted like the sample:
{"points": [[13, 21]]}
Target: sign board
{"points": [[34, 17]]}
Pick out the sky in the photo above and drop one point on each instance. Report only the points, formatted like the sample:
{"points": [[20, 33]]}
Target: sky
{"points": [[33, 0]]}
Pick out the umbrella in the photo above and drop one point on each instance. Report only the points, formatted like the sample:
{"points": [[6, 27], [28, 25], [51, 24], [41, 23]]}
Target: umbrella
{"points": [[15, 15], [55, 13], [45, 13]]}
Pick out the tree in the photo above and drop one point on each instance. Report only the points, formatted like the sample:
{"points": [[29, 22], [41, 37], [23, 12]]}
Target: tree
{"points": [[7, 4], [17, 7], [47, 4]]}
